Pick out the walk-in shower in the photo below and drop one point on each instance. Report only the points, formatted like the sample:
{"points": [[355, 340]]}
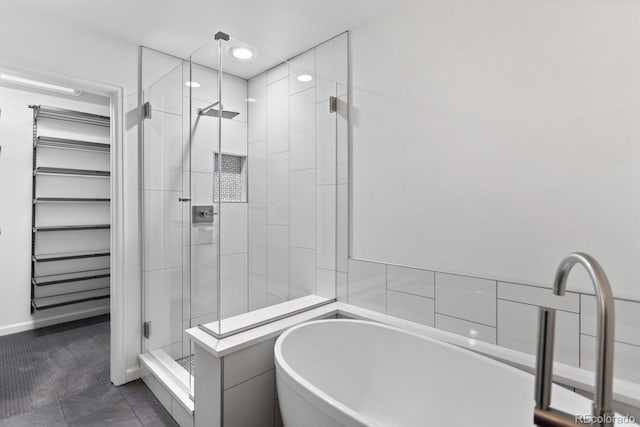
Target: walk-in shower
{"points": [[239, 189]]}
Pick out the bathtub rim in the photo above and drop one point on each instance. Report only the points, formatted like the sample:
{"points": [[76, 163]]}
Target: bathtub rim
{"points": [[313, 395]]}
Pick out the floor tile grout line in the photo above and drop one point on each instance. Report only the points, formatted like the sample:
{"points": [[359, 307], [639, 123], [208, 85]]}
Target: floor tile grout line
{"points": [[129, 405]]}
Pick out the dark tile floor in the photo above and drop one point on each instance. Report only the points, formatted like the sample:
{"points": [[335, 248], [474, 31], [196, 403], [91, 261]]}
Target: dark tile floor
{"points": [[58, 376]]}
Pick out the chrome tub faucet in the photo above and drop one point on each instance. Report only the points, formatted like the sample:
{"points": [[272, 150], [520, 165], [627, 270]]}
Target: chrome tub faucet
{"points": [[544, 414]]}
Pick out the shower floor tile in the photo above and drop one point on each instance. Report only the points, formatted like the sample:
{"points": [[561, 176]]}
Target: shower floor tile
{"points": [[188, 363]]}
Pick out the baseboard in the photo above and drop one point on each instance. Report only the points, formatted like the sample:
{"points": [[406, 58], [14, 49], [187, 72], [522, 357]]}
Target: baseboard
{"points": [[132, 374], [53, 320]]}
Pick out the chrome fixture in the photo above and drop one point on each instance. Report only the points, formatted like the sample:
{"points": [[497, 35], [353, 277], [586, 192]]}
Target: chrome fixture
{"points": [[202, 214], [544, 414], [212, 112]]}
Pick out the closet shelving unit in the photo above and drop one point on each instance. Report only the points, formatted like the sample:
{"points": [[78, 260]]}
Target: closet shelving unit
{"points": [[55, 298]]}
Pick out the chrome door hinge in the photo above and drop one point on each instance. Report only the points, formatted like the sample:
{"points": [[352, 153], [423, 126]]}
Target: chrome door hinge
{"points": [[146, 110], [333, 104], [146, 329]]}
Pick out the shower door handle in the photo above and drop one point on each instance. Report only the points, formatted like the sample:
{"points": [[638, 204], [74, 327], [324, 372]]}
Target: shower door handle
{"points": [[184, 199]]}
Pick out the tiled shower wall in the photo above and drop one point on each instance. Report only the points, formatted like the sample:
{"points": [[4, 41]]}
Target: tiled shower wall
{"points": [[295, 144], [497, 312]]}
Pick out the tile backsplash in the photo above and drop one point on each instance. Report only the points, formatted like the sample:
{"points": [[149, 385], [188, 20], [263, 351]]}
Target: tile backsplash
{"points": [[497, 312]]}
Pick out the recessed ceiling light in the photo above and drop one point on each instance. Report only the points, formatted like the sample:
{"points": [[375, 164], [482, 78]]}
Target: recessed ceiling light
{"points": [[304, 78], [242, 53], [192, 84], [39, 85]]}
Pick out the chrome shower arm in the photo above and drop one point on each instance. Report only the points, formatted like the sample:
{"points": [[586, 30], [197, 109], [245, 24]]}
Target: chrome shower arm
{"points": [[205, 110]]}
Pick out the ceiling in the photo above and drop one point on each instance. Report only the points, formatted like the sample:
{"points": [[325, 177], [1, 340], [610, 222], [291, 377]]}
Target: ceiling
{"points": [[277, 28]]}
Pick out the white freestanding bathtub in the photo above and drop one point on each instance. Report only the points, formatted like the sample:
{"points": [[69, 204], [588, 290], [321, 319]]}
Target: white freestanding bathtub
{"points": [[358, 373]]}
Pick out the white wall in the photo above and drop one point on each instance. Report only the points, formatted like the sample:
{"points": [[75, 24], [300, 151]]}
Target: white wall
{"points": [[40, 43], [492, 138]]}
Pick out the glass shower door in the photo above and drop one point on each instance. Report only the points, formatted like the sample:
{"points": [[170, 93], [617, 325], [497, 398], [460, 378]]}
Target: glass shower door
{"points": [[166, 214]]}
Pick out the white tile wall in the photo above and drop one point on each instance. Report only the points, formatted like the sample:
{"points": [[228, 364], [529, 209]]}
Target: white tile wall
{"points": [[303, 209], [342, 155], [208, 79], [274, 299], [509, 317], [326, 226], [201, 187], [303, 130], [278, 117], [257, 108], [342, 286], [166, 94], [234, 96], [163, 152], [248, 362], [278, 261], [302, 64], [233, 228], [331, 59], [234, 285], [625, 358], [278, 72], [325, 145], [474, 331], [258, 241], [466, 298], [539, 296], [251, 403], [278, 188], [159, 391], [163, 294], [342, 220], [204, 139], [367, 285], [257, 174], [162, 230], [257, 291], [411, 281], [295, 179], [204, 288], [325, 283], [325, 88], [410, 307], [234, 137], [627, 317], [303, 272], [183, 417], [518, 329]]}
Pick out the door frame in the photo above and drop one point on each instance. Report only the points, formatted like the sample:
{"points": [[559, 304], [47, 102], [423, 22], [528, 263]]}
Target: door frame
{"points": [[118, 368]]}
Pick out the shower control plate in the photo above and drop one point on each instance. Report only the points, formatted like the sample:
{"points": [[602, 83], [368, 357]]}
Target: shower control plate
{"points": [[202, 214]]}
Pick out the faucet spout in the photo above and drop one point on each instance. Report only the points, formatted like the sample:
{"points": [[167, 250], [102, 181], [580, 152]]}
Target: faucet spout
{"points": [[602, 402]]}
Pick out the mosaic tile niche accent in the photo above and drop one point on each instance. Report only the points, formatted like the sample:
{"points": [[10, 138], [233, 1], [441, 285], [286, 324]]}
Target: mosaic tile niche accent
{"points": [[232, 185]]}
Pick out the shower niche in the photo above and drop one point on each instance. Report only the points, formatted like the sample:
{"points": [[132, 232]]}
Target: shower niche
{"points": [[248, 140], [231, 171]]}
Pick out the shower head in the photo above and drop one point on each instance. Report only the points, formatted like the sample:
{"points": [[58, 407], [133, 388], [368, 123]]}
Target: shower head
{"points": [[216, 113]]}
